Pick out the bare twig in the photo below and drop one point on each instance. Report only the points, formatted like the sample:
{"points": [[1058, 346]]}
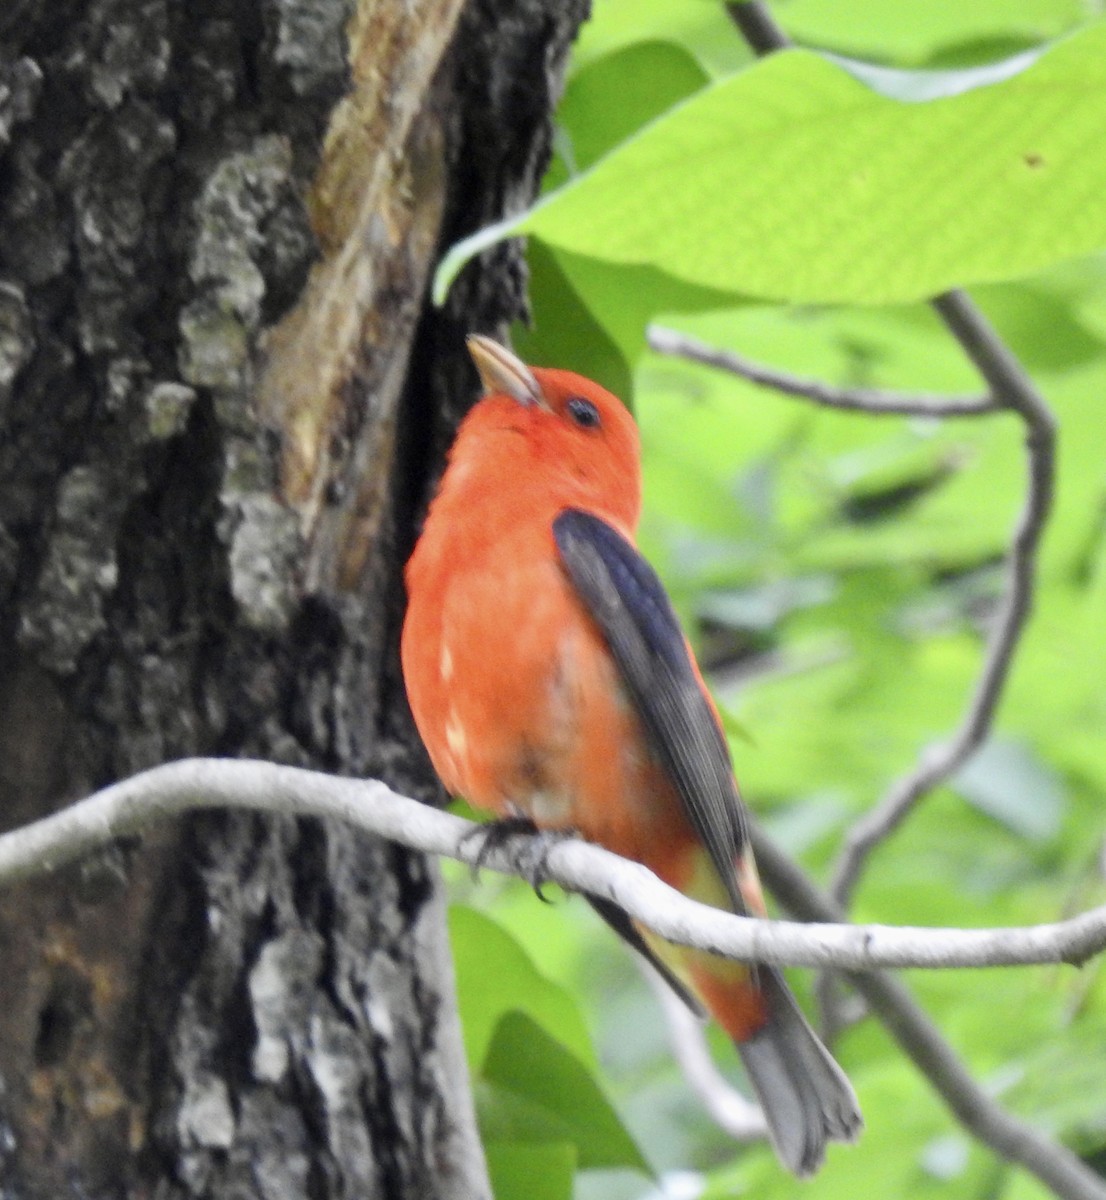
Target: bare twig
{"points": [[1053, 1164], [1012, 390], [204, 783], [875, 401]]}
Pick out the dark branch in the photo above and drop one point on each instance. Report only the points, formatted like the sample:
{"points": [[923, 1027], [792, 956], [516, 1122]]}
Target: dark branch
{"points": [[1014, 391], [758, 27], [1053, 1164], [867, 400]]}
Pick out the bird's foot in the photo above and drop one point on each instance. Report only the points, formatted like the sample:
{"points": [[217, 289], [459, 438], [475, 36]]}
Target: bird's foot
{"points": [[496, 835], [527, 846]]}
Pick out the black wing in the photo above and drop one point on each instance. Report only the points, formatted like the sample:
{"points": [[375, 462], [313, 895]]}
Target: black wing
{"points": [[626, 600]]}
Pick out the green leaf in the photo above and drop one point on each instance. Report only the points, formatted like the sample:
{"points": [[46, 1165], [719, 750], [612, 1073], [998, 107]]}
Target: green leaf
{"points": [[542, 1171], [794, 181], [613, 97], [540, 1091], [495, 976], [702, 27], [590, 315], [564, 329]]}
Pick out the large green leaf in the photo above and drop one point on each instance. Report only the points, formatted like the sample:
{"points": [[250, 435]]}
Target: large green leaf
{"points": [[531, 1170], [495, 976], [795, 181], [541, 1092]]}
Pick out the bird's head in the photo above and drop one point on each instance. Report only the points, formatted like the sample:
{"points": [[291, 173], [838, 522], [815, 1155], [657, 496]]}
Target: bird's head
{"points": [[580, 437]]}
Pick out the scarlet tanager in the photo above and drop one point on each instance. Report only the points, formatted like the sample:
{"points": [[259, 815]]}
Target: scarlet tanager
{"points": [[549, 679]]}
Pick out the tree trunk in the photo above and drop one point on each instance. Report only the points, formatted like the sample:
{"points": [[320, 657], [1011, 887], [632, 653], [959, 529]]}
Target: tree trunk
{"points": [[222, 398]]}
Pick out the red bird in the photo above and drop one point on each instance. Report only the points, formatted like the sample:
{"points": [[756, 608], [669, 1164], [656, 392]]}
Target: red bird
{"points": [[549, 679]]}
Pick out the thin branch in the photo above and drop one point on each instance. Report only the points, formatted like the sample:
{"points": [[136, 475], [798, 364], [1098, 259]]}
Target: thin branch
{"points": [[1053, 1164], [875, 401], [1060, 1170], [1013, 390], [736, 1116], [758, 27], [194, 784], [204, 783]]}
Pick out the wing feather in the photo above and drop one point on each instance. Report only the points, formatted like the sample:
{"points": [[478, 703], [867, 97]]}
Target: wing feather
{"points": [[627, 601]]}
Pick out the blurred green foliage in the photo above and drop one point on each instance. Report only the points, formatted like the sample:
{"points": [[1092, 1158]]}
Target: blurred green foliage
{"points": [[837, 572]]}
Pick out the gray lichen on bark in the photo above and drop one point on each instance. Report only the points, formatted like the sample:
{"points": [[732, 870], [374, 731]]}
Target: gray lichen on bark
{"points": [[66, 608], [247, 193], [17, 337], [309, 41]]}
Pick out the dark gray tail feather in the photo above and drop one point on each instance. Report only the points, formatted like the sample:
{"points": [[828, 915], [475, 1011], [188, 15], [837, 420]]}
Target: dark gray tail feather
{"points": [[806, 1097]]}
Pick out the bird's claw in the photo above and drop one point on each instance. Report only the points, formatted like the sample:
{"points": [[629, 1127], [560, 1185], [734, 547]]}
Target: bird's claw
{"points": [[533, 859], [495, 835], [529, 858]]}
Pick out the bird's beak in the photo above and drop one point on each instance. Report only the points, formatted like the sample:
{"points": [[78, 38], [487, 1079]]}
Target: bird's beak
{"points": [[503, 373]]}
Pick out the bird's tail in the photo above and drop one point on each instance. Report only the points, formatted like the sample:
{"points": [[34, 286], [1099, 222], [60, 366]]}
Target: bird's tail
{"points": [[806, 1097]]}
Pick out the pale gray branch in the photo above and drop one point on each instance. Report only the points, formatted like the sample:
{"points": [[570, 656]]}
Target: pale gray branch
{"points": [[203, 783], [855, 399], [193, 784]]}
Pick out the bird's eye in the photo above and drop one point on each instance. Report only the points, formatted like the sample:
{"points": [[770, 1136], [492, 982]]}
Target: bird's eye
{"points": [[584, 413]]}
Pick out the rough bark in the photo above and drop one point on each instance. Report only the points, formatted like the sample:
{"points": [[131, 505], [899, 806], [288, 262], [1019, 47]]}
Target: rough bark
{"points": [[222, 397]]}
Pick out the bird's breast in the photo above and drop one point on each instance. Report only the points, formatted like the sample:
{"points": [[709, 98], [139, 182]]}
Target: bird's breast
{"points": [[533, 718]]}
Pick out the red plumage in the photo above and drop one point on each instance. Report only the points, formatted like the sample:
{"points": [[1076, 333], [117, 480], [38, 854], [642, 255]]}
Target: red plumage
{"points": [[541, 695]]}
